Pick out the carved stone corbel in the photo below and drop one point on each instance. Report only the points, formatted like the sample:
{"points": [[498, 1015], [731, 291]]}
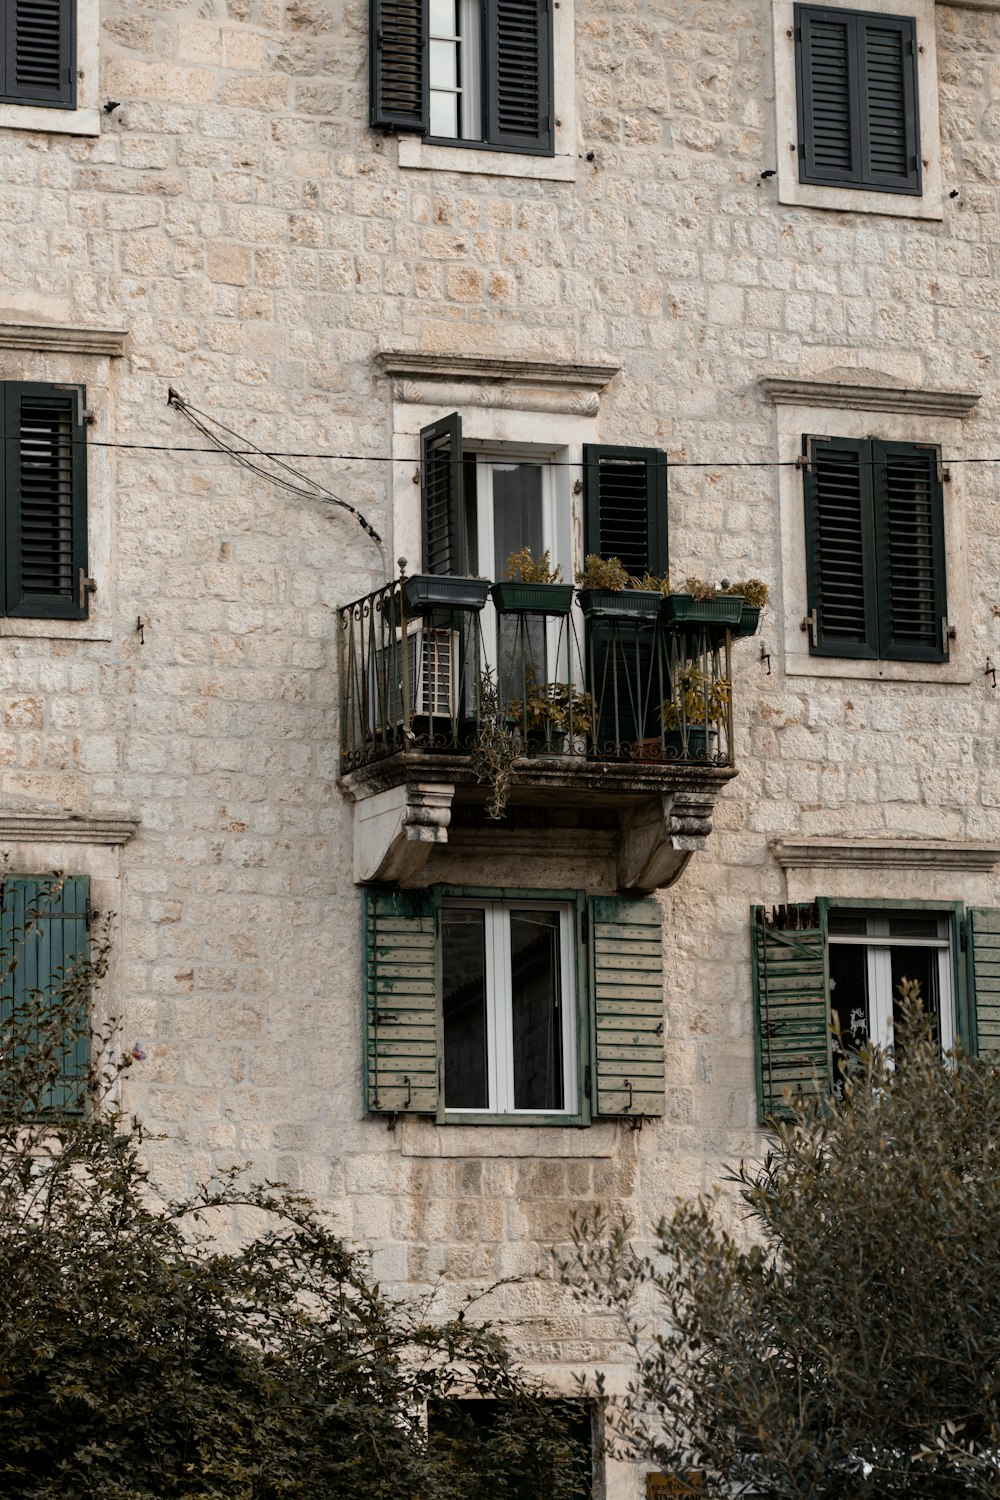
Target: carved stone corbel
{"points": [[396, 829], [659, 837]]}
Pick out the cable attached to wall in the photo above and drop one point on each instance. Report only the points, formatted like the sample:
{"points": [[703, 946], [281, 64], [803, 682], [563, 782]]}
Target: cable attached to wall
{"points": [[210, 427]]}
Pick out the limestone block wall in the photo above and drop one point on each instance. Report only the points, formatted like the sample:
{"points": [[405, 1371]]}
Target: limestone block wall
{"points": [[260, 244]]}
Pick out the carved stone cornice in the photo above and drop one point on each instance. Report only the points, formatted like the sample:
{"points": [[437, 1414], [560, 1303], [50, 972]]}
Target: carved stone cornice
{"points": [[993, 5], [910, 854], [908, 400], [63, 338], [65, 828], [572, 387]]}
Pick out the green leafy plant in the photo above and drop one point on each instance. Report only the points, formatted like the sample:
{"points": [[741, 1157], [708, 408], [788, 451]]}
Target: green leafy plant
{"points": [[522, 567], [554, 706], [753, 590], [845, 1339], [699, 588], [698, 698], [603, 573], [142, 1358], [651, 583]]}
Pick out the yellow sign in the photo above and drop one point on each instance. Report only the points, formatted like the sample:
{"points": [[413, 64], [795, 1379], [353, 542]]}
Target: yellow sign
{"points": [[675, 1486]]}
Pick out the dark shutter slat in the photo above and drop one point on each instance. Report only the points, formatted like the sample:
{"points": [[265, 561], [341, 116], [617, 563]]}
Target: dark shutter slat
{"points": [[791, 1004], [401, 1047], [840, 547], [398, 52], [825, 56], [39, 47], [519, 74], [45, 506], [909, 519], [888, 103], [625, 506], [626, 973], [984, 978], [442, 496]]}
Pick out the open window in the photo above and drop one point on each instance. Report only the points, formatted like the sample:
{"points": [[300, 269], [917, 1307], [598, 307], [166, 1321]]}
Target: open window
{"points": [[513, 1007], [826, 976]]}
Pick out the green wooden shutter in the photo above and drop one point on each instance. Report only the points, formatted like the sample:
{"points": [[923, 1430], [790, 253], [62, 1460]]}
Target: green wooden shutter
{"points": [[519, 75], [38, 52], [625, 506], [398, 64], [442, 496], [887, 95], [840, 547], [626, 969], [984, 978], [44, 926], [791, 1005], [45, 502], [401, 988], [856, 86], [908, 499]]}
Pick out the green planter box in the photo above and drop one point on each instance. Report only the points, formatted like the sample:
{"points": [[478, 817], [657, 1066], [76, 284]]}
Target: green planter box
{"points": [[749, 621], [428, 592], [533, 598], [619, 604], [685, 609]]}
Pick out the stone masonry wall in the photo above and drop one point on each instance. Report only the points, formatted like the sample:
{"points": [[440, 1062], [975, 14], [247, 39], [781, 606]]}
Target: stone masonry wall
{"points": [[260, 243]]}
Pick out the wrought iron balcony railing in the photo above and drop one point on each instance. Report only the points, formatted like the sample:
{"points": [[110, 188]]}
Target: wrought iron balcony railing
{"points": [[438, 676]]}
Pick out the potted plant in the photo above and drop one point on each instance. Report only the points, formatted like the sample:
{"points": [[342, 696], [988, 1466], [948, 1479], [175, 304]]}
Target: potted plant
{"points": [[532, 587], [607, 590], [437, 594], [547, 714], [754, 593], [701, 603], [692, 715]]}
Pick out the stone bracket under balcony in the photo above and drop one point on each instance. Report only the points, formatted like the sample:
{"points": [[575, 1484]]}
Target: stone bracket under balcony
{"points": [[646, 819]]}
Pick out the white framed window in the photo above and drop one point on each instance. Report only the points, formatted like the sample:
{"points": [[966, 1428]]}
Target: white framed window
{"points": [[870, 954], [509, 1007], [49, 69], [454, 69]]}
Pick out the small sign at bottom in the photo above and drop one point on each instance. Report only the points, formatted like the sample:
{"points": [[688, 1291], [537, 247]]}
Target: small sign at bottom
{"points": [[675, 1486]]}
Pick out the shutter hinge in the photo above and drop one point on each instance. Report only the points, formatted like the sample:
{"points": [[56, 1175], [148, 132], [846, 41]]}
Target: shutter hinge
{"points": [[805, 460], [90, 914], [963, 936], [588, 1085], [943, 474], [948, 634], [810, 623], [87, 586]]}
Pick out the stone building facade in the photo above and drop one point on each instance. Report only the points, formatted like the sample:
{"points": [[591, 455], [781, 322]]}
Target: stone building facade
{"points": [[657, 275]]}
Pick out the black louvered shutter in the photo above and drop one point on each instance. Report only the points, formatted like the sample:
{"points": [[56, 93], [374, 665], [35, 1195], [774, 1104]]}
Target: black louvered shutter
{"points": [[856, 82], [442, 496], [398, 53], [519, 75], [45, 502], [910, 557], [625, 506], [840, 550], [38, 47]]}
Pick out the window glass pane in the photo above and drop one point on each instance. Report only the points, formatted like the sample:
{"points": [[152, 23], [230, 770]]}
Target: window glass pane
{"points": [[844, 920], [924, 926], [442, 18], [444, 115], [849, 1000], [517, 511], [920, 964], [536, 1010], [444, 65], [463, 963]]}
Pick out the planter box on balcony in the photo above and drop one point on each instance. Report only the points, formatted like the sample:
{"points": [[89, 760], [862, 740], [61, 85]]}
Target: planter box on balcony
{"points": [[685, 609], [429, 592], [749, 620], [619, 604], [533, 598]]}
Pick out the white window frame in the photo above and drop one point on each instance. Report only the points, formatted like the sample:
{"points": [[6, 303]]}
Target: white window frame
{"points": [[877, 942], [85, 119], [929, 204], [499, 1012]]}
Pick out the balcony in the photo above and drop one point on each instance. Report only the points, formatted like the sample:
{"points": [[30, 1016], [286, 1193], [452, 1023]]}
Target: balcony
{"points": [[509, 708]]}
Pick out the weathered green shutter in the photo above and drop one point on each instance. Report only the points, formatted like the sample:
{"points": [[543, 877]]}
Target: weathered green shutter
{"points": [[442, 496], [38, 52], [43, 928], [856, 84], [519, 75], [401, 1034], [791, 1004], [626, 967], [984, 977], [840, 547], [625, 506], [45, 502], [908, 499], [398, 64]]}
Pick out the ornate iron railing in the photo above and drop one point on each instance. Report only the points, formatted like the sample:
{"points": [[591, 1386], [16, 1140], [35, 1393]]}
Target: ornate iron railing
{"points": [[601, 688]]}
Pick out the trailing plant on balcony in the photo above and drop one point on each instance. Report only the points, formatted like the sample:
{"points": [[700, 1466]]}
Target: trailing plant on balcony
{"points": [[495, 748]]}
